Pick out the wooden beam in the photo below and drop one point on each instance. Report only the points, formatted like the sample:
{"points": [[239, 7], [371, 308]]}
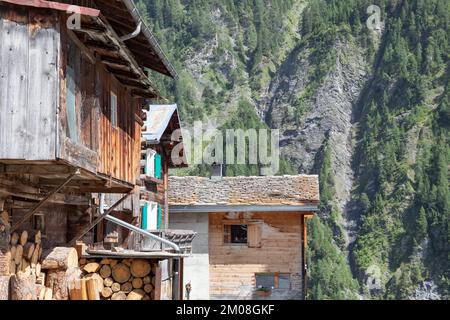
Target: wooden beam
{"points": [[143, 94], [91, 29], [115, 61], [56, 6], [29, 214], [132, 82], [98, 220], [84, 50], [101, 45], [128, 74], [125, 52], [34, 169], [73, 183]]}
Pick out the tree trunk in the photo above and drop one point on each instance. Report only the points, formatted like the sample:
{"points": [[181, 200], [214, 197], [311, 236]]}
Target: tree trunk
{"points": [[23, 287], [14, 239], [140, 268], [78, 290], [60, 258], [4, 287], [121, 273], [28, 250], [57, 281], [119, 296], [23, 238], [5, 262]]}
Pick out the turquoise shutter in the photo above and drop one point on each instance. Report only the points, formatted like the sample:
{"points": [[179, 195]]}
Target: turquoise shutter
{"points": [[157, 166], [144, 216], [159, 216]]}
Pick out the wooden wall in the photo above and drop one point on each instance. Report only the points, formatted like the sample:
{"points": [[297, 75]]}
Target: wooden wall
{"points": [[28, 83], [33, 113], [233, 267], [113, 151]]}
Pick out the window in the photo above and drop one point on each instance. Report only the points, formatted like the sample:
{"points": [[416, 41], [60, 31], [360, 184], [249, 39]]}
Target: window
{"points": [[151, 164], [113, 109], [235, 233], [150, 216], [249, 233], [265, 281], [283, 281], [273, 280]]}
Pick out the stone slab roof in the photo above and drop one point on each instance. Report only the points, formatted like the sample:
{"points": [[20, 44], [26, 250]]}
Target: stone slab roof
{"points": [[274, 190]]}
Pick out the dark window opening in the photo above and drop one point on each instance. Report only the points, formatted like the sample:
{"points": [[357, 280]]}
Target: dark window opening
{"points": [[236, 233], [265, 281], [273, 280]]}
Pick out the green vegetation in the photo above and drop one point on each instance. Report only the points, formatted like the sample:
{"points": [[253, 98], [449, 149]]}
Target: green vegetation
{"points": [[401, 193]]}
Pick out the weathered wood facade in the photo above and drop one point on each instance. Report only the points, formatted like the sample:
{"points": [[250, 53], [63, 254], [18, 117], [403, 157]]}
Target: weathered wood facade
{"points": [[40, 63]]}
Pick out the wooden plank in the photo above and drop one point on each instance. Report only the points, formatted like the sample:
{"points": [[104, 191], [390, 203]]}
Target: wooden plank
{"points": [[13, 83], [56, 6], [280, 252], [42, 87], [79, 155]]}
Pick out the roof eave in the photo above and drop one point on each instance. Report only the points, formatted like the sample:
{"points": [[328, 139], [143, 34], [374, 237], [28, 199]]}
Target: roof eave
{"points": [[150, 37], [208, 208]]}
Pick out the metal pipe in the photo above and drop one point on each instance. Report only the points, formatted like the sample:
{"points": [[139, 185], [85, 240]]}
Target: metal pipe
{"points": [[143, 232], [133, 34], [100, 218]]}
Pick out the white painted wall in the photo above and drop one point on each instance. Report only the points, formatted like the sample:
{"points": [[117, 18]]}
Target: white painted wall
{"points": [[196, 267]]}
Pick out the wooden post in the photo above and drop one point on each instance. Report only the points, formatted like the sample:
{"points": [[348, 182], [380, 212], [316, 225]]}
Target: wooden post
{"points": [[166, 188]]}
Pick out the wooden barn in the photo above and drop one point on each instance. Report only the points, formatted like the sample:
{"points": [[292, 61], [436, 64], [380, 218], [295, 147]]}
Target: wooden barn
{"points": [[251, 234], [75, 78]]}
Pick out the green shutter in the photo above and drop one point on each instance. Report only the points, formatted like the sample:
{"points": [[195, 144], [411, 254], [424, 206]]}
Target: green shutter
{"points": [[159, 216], [144, 216], [157, 166]]}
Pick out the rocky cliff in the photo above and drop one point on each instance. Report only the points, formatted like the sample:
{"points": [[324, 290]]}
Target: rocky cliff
{"points": [[367, 108]]}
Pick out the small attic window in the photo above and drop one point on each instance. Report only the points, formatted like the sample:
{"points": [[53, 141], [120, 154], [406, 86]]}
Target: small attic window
{"points": [[113, 109], [235, 234]]}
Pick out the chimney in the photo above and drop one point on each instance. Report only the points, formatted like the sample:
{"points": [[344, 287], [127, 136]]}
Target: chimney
{"points": [[216, 171]]}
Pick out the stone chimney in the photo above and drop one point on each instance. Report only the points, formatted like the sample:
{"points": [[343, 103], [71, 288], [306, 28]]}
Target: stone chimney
{"points": [[216, 171]]}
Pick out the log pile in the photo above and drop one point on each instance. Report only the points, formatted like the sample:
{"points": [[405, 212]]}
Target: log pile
{"points": [[61, 264], [119, 279], [26, 253], [27, 278]]}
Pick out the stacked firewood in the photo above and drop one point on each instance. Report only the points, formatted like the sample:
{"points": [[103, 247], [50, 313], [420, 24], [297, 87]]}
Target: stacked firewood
{"points": [[119, 279], [25, 253], [27, 279]]}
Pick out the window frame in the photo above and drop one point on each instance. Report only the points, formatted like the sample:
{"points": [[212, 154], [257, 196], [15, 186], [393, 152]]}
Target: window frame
{"points": [[276, 279], [114, 113], [230, 225]]}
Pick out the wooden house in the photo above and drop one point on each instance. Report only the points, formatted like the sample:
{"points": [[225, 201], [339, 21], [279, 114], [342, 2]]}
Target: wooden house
{"points": [[251, 234], [74, 80]]}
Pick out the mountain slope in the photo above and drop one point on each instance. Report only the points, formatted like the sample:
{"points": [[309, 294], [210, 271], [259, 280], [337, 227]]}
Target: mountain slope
{"points": [[367, 109]]}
